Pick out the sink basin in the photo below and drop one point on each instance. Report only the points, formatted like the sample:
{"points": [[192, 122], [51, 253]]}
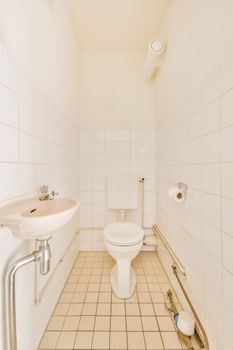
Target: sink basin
{"points": [[35, 219]]}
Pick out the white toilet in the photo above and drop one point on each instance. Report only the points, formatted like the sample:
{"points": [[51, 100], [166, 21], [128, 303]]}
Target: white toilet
{"points": [[122, 239]]}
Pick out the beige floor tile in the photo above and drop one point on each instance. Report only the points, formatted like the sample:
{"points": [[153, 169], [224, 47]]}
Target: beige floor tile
{"points": [[104, 297], [105, 287], [135, 340], [91, 297], [141, 279], [160, 310], [86, 271], [154, 287], [83, 340], [66, 340], [84, 279], [144, 297], [149, 323], [171, 341], [71, 323], [165, 323], [55, 323], [95, 279], [89, 309], [142, 287], [61, 309], [149, 271], [78, 297], [151, 279], [66, 297], [49, 340], [102, 323], [153, 341], [105, 279], [118, 323], [103, 309], [81, 287], [146, 309], [118, 309], [132, 310], [97, 271], [75, 309], [133, 298], [134, 323], [115, 299], [93, 287], [73, 279], [86, 323], [162, 278], [69, 287], [157, 297], [118, 341], [100, 340]]}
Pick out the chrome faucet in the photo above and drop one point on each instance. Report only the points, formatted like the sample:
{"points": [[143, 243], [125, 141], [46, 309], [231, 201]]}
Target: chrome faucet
{"points": [[45, 196]]}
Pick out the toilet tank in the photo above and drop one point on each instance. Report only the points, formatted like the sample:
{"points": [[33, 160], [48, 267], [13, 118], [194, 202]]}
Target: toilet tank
{"points": [[122, 192]]}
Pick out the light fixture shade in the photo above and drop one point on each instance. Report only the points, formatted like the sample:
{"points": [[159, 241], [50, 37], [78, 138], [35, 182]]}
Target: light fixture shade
{"points": [[153, 58]]}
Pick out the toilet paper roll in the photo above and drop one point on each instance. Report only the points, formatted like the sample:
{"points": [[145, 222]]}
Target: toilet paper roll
{"points": [[177, 194]]}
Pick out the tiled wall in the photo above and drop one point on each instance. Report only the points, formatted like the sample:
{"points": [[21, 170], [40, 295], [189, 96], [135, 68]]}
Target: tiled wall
{"points": [[195, 146], [114, 152], [38, 145]]}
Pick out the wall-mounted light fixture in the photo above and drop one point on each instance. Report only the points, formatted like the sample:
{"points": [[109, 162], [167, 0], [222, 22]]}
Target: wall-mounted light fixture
{"points": [[153, 58]]}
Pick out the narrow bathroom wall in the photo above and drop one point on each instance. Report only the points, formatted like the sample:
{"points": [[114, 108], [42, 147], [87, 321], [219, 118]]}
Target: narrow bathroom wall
{"points": [[194, 146], [38, 145], [117, 136]]}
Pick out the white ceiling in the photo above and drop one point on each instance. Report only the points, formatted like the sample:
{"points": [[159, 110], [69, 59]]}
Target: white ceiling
{"points": [[117, 24]]}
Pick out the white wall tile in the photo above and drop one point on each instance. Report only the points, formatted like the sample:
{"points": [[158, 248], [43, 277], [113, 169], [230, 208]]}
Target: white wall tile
{"points": [[226, 180], [227, 74], [212, 148], [120, 152], [227, 218], [9, 107], [211, 117], [9, 144], [226, 109], [212, 209], [26, 148], [195, 154], [227, 144], [212, 178], [212, 85], [212, 240], [227, 252]]}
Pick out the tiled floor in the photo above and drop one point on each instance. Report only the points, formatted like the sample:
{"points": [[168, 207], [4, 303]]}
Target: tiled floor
{"points": [[89, 315]]}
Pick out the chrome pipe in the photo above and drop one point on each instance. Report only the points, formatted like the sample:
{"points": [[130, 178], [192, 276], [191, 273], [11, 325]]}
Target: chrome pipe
{"points": [[176, 261], [10, 295], [43, 254], [44, 248], [142, 180]]}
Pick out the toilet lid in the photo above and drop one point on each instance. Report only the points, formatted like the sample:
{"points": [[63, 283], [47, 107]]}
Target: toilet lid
{"points": [[123, 233]]}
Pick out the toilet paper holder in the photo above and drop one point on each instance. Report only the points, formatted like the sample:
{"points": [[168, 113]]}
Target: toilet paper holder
{"points": [[183, 188]]}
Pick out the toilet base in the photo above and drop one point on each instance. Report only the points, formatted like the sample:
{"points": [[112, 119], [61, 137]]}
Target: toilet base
{"points": [[121, 289]]}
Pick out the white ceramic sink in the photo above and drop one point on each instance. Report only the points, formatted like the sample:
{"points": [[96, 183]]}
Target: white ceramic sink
{"points": [[32, 218]]}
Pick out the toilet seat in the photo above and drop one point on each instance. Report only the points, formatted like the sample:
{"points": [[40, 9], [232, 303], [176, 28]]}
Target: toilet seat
{"points": [[123, 233]]}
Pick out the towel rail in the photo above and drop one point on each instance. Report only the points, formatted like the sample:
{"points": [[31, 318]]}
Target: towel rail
{"points": [[176, 261]]}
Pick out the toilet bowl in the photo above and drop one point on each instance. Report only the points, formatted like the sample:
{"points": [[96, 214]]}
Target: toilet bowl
{"points": [[123, 240]]}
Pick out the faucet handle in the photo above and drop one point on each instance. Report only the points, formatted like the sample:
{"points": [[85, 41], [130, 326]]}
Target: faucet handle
{"points": [[53, 193], [44, 189]]}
